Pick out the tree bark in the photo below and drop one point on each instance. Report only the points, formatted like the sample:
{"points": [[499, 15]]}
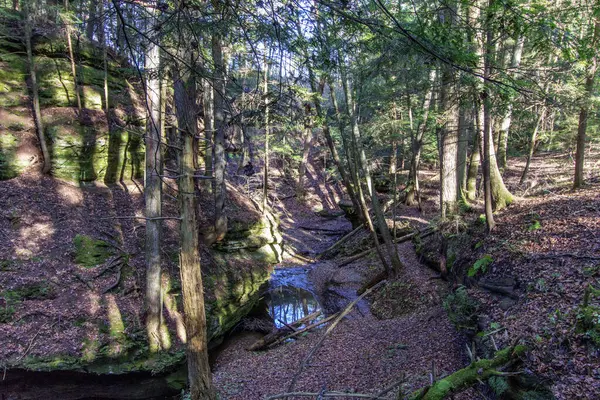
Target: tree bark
{"points": [[219, 120], [209, 127], [477, 371], [33, 87], [584, 110], [364, 166], [153, 200], [199, 375], [471, 189], [67, 23], [461, 156], [306, 139], [92, 22], [349, 149], [417, 144], [448, 147], [485, 119], [532, 142], [347, 175], [506, 120], [267, 134]]}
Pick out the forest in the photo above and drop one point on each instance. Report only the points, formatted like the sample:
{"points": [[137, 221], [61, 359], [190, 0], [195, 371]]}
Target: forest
{"points": [[299, 199]]}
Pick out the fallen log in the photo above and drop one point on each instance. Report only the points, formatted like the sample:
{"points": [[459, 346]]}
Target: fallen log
{"points": [[466, 377], [402, 239], [340, 242], [376, 279], [316, 228], [298, 332], [283, 331], [503, 290]]}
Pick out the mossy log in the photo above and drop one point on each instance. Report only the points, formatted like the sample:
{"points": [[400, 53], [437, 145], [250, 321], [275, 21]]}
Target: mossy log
{"points": [[466, 377]]}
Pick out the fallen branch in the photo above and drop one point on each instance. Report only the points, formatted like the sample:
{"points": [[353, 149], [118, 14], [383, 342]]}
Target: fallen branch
{"points": [[402, 239], [331, 327], [273, 337], [325, 394], [287, 325], [378, 278], [340, 242], [314, 228], [144, 218], [111, 264], [466, 377], [301, 331], [28, 349], [300, 257], [392, 386]]}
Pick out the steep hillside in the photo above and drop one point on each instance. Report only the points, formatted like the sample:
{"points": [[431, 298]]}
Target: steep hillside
{"points": [[72, 264]]}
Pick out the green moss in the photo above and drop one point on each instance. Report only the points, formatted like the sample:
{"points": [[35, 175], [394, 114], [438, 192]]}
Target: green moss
{"points": [[13, 71], [90, 252], [9, 166], [82, 154], [475, 372], [50, 363], [31, 291], [6, 313]]}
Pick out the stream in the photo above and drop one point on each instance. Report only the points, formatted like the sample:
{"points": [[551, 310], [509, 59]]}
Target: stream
{"points": [[290, 295], [287, 297]]}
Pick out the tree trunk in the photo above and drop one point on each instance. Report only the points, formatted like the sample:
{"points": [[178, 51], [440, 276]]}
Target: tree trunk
{"points": [[471, 189], [364, 165], [461, 157], [449, 194], [153, 200], [33, 87], [361, 208], [477, 371], [532, 142], [448, 147], [346, 174], [306, 139], [209, 127], [67, 23], [104, 65], [219, 120], [417, 144], [267, 133], [485, 113], [584, 111], [92, 22], [506, 120], [199, 376]]}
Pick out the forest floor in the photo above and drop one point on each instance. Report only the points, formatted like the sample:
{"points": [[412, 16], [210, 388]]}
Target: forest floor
{"points": [[546, 243], [365, 353]]}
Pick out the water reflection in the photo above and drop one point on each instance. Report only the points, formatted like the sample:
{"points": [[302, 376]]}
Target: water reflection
{"points": [[287, 304]]}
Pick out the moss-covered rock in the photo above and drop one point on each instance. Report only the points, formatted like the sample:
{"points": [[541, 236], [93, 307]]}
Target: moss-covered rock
{"points": [[83, 154], [82, 149]]}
